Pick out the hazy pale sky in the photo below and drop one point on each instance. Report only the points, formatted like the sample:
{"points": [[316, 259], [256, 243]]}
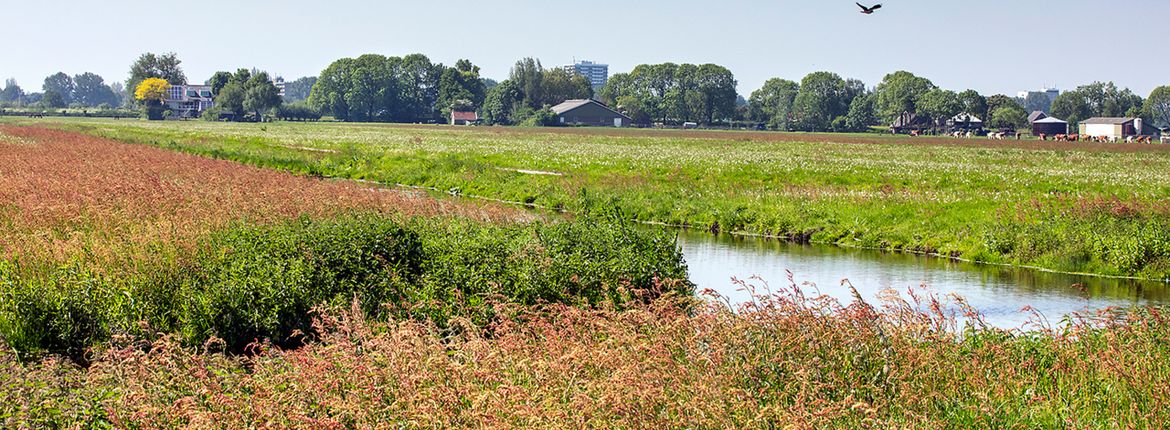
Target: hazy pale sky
{"points": [[993, 46]]}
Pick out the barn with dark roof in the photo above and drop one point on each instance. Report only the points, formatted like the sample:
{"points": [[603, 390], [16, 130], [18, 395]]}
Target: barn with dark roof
{"points": [[589, 112]]}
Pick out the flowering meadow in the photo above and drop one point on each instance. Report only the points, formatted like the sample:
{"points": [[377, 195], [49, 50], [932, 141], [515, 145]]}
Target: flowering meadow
{"points": [[1073, 207], [165, 283]]}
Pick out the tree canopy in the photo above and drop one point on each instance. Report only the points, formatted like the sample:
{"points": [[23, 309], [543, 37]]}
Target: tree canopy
{"points": [[12, 93], [898, 93], [298, 90], [773, 103], [61, 85], [378, 88], [1094, 100], [89, 89], [1157, 106], [152, 90], [149, 65], [674, 92]]}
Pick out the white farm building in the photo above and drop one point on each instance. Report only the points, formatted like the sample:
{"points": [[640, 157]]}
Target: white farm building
{"points": [[1113, 128]]}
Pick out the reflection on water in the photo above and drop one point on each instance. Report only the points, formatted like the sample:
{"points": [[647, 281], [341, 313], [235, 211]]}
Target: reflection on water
{"points": [[998, 292]]}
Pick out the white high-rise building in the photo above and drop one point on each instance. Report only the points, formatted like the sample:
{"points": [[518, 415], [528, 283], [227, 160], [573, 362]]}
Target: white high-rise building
{"points": [[598, 74]]}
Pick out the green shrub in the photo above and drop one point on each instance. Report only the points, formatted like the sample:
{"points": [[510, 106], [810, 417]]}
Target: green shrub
{"points": [[251, 283], [64, 311], [258, 283]]}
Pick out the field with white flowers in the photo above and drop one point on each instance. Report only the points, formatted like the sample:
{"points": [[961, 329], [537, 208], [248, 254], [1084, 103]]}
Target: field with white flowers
{"points": [[1069, 207]]}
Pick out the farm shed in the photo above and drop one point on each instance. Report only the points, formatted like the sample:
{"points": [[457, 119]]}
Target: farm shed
{"points": [[908, 122], [464, 117], [589, 112], [1049, 126], [1111, 127], [1036, 116], [965, 122]]}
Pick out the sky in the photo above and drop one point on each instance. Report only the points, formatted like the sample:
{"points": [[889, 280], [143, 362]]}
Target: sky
{"points": [[992, 46]]}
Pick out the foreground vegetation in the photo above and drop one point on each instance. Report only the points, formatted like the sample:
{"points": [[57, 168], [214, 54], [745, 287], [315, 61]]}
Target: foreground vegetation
{"points": [[1068, 207], [145, 288], [107, 239], [786, 361]]}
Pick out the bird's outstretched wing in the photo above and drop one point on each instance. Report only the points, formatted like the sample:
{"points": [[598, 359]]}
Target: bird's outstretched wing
{"points": [[876, 7], [862, 7]]}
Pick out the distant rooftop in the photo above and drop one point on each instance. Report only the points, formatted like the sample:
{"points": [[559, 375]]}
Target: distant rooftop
{"points": [[1107, 120]]}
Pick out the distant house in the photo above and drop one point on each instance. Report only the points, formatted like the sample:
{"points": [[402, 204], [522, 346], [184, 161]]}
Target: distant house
{"points": [[589, 112], [188, 101], [1049, 126], [965, 122], [908, 122], [1036, 116], [464, 117], [1118, 128]]}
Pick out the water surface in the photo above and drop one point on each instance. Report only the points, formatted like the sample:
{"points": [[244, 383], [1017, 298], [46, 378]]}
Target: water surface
{"points": [[1000, 293]]}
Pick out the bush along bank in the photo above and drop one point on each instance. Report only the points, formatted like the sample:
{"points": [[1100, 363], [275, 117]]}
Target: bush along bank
{"points": [[250, 283]]}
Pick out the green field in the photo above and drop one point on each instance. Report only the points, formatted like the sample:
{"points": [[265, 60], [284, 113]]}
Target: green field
{"points": [[147, 288], [1066, 207]]}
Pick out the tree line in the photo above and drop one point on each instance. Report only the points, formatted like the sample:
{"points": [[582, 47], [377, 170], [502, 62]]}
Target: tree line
{"points": [[412, 88], [60, 90]]}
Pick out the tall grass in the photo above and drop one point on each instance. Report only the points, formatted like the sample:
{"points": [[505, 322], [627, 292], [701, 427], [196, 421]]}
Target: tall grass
{"points": [[251, 283], [787, 360]]}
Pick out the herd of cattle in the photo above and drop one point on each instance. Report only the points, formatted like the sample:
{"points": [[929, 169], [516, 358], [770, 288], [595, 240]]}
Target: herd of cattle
{"points": [[1098, 139], [1059, 137]]}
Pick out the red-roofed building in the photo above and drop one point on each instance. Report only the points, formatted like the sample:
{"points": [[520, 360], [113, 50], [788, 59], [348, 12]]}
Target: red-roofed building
{"points": [[464, 118]]}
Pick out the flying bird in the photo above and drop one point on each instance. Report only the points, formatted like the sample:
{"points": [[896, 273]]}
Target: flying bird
{"points": [[869, 10]]}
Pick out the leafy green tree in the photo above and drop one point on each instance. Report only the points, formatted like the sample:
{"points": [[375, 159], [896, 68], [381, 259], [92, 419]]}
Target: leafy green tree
{"points": [[821, 99], [997, 101], [91, 90], [231, 99], [12, 92], [419, 86], [898, 93], [861, 113], [773, 103], [939, 105], [121, 93], [260, 95], [165, 67], [528, 75], [328, 94], [241, 76], [218, 80], [1105, 99], [367, 88], [501, 103], [1072, 107], [715, 88], [53, 99], [558, 85], [60, 84], [299, 89], [1037, 101], [1010, 115], [461, 82], [973, 103], [1157, 106]]}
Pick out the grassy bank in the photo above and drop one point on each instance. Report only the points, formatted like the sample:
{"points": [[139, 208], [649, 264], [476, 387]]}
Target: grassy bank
{"points": [[790, 362], [105, 239], [1069, 207]]}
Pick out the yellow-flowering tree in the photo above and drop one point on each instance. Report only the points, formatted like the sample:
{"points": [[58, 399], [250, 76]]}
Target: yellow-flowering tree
{"points": [[152, 90]]}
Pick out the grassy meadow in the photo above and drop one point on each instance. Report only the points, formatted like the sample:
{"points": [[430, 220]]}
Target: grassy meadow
{"points": [[203, 275], [1073, 207]]}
